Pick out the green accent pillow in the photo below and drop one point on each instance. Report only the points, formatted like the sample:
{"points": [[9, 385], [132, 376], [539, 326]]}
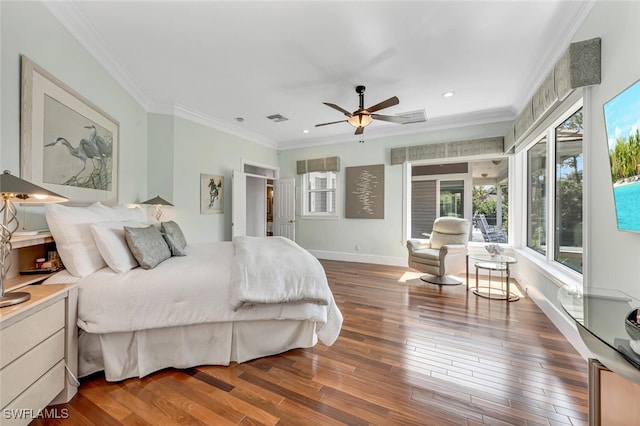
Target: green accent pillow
{"points": [[147, 245], [174, 237]]}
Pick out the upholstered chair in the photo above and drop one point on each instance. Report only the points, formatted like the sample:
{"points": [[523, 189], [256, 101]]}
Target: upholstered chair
{"points": [[443, 253]]}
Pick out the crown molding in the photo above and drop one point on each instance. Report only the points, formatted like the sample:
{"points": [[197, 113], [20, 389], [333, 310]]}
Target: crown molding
{"points": [[450, 122], [562, 41], [74, 21], [212, 122], [72, 18]]}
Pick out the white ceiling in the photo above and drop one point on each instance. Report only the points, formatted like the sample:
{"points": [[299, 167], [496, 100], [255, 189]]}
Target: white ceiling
{"points": [[213, 61]]}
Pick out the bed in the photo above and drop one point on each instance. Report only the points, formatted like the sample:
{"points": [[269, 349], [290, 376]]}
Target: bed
{"points": [[217, 303]]}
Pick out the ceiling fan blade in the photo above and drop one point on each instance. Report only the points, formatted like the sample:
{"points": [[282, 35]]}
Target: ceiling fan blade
{"points": [[390, 118], [342, 110], [332, 122], [359, 130], [384, 104]]}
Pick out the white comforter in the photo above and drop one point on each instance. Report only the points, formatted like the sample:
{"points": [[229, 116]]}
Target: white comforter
{"points": [[275, 270], [185, 290]]}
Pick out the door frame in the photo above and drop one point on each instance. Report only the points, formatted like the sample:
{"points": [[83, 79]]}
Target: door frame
{"points": [[408, 179], [239, 192]]}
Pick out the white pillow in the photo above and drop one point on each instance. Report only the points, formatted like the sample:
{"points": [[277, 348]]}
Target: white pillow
{"points": [[122, 212], [74, 241], [112, 245]]}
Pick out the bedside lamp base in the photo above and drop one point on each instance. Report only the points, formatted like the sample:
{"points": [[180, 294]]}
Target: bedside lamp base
{"points": [[9, 299]]}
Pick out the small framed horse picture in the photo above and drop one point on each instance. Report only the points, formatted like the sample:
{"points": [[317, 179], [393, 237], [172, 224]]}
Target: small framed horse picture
{"points": [[211, 194]]}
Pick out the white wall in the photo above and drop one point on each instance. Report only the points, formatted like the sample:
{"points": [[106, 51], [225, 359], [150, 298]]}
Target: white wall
{"points": [[379, 240], [28, 28], [160, 157], [148, 169], [159, 154], [613, 258], [198, 149]]}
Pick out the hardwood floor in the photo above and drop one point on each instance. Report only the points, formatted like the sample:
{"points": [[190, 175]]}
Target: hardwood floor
{"points": [[410, 353]]}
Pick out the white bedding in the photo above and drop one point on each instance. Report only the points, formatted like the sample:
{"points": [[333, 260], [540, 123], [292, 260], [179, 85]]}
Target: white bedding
{"points": [[187, 290], [275, 270]]}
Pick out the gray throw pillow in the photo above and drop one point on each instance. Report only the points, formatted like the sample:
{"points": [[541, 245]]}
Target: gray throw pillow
{"points": [[147, 245], [174, 237]]}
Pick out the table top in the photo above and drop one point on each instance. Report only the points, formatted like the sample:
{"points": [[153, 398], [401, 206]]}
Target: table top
{"points": [[486, 257], [602, 312]]}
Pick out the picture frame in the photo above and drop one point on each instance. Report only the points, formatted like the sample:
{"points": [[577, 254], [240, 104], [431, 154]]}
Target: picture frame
{"points": [[364, 190], [67, 144], [621, 118], [211, 194]]}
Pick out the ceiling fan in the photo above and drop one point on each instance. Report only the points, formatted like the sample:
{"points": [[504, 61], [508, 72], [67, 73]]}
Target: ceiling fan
{"points": [[362, 117]]}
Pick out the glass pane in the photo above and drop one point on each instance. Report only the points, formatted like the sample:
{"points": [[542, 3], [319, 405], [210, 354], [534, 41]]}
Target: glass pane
{"points": [[490, 213], [568, 226], [537, 196], [423, 207], [322, 202], [452, 198], [321, 180]]}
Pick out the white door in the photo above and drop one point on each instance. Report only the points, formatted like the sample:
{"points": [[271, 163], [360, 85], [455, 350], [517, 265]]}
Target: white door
{"points": [[238, 203], [256, 206], [284, 208]]}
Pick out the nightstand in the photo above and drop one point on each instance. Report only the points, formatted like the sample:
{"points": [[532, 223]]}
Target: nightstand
{"points": [[25, 250], [39, 342]]}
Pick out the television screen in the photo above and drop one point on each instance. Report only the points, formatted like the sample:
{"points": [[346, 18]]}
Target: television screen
{"points": [[622, 122]]}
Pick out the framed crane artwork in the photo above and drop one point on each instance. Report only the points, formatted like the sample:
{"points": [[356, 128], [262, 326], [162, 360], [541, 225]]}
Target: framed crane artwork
{"points": [[68, 145]]}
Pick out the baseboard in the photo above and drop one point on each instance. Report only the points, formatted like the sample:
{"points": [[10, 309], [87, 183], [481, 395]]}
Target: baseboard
{"points": [[361, 258], [562, 322]]}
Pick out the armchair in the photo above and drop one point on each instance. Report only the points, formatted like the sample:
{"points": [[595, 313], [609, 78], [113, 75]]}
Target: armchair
{"points": [[444, 253]]}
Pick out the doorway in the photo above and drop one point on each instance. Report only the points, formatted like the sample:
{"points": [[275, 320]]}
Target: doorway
{"points": [[262, 204]]}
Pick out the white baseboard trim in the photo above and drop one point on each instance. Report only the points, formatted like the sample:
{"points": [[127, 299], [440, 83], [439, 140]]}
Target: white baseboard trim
{"points": [[361, 258], [562, 322]]}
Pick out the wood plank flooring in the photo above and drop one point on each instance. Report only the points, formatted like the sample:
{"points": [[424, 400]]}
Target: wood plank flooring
{"points": [[410, 353]]}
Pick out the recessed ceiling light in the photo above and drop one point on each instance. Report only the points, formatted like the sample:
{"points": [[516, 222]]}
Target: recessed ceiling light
{"points": [[239, 119], [305, 131], [448, 94]]}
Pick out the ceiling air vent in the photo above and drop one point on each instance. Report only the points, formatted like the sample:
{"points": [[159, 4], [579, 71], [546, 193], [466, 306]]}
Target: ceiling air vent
{"points": [[419, 116], [276, 118]]}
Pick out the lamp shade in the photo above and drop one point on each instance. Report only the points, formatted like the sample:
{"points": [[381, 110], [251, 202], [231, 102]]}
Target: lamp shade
{"points": [[157, 201], [19, 190], [360, 120], [12, 190]]}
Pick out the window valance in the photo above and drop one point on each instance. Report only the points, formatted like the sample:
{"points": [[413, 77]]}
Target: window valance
{"points": [[579, 66], [494, 145], [327, 164]]}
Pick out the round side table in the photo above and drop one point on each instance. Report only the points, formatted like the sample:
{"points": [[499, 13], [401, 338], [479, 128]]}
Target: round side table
{"points": [[497, 263]]}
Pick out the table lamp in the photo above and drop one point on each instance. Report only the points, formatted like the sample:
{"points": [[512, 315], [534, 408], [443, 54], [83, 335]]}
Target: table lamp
{"points": [[158, 202], [14, 189]]}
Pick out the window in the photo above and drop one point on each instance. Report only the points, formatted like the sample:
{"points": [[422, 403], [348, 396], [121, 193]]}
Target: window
{"points": [[476, 190], [319, 196], [568, 189], [554, 192], [452, 198], [537, 200]]}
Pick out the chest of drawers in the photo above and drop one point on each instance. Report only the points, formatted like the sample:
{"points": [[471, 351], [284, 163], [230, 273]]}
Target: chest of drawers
{"points": [[38, 343]]}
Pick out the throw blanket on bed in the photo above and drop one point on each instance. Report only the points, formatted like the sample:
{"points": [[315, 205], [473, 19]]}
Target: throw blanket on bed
{"points": [[275, 270]]}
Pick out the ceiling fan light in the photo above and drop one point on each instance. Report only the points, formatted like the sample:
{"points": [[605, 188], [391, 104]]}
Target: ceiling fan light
{"points": [[360, 120]]}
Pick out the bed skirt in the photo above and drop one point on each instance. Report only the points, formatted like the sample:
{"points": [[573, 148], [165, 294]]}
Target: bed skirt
{"points": [[139, 353]]}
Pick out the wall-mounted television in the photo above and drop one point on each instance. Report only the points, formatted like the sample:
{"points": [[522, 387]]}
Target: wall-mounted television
{"points": [[622, 122]]}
